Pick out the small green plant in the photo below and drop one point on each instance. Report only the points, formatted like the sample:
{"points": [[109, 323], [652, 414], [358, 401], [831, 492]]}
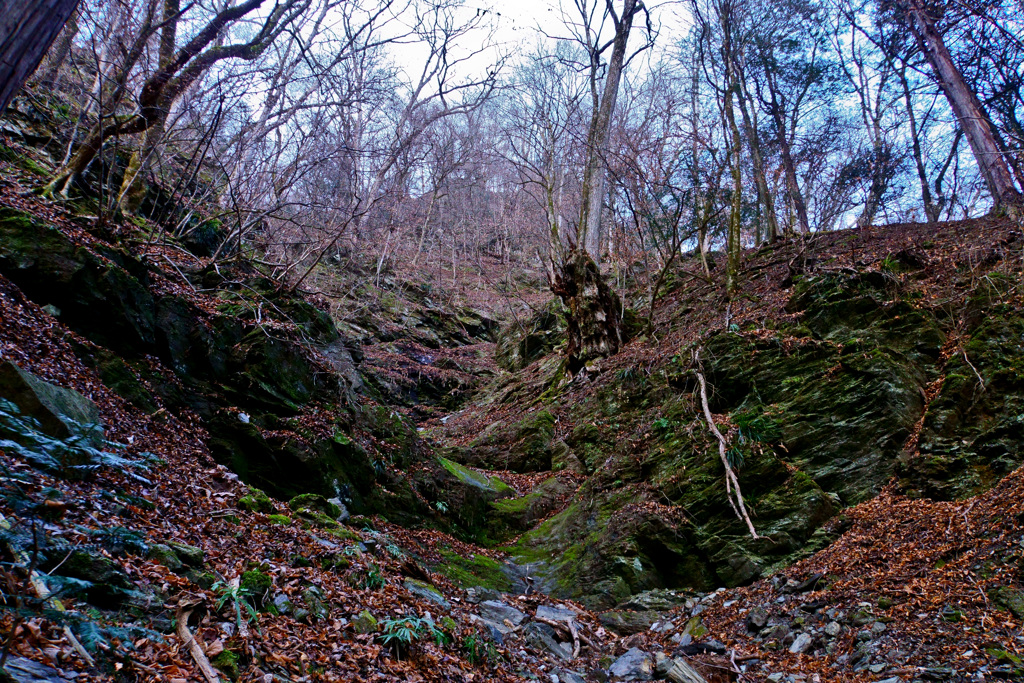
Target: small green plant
{"points": [[241, 597], [371, 578], [400, 634], [479, 650], [441, 506]]}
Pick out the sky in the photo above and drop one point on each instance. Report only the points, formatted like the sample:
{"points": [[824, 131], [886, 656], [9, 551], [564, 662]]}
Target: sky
{"points": [[519, 25]]}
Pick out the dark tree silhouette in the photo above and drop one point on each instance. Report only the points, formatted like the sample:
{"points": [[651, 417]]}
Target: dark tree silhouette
{"points": [[27, 29]]}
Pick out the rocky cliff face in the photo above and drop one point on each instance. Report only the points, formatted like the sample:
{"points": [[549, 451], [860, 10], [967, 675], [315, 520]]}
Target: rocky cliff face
{"points": [[900, 368]]}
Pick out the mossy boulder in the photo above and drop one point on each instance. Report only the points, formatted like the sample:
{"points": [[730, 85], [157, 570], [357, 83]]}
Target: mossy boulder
{"points": [[258, 584], [255, 500], [473, 571], [315, 503], [521, 342]]}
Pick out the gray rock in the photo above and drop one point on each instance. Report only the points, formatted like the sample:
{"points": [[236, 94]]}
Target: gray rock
{"points": [[662, 664], [61, 412], [555, 613], [425, 591], [502, 628], [27, 671], [478, 594], [877, 668], [344, 514], [283, 604], [833, 629], [657, 600], [569, 676], [189, 554], [756, 619], [894, 679], [538, 638], [635, 665], [801, 644], [165, 555], [877, 628], [776, 677], [499, 612]]}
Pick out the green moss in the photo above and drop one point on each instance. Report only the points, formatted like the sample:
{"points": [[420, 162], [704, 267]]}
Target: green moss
{"points": [[365, 623], [256, 501], [257, 584], [477, 570], [227, 663], [343, 534], [476, 479], [283, 520], [316, 503]]}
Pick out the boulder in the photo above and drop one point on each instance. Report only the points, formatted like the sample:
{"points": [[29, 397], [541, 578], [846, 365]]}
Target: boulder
{"points": [[540, 638], [499, 612], [635, 665], [61, 413], [425, 591]]}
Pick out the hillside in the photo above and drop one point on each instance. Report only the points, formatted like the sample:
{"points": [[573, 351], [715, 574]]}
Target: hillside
{"points": [[413, 489]]}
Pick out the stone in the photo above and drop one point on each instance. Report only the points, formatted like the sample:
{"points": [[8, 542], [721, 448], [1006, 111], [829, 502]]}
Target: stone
{"points": [[478, 594], [833, 629], [24, 670], [365, 623], [565, 676], [657, 600], [801, 644], [164, 555], [776, 677], [1011, 599], [189, 554], [425, 591], [539, 638], [344, 515], [628, 623], [877, 628], [499, 612], [555, 613], [316, 503], [635, 665], [61, 413], [894, 679], [756, 619], [282, 604]]}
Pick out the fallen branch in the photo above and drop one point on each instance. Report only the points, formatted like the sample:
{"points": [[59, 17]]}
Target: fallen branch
{"points": [[571, 631], [193, 647], [731, 481]]}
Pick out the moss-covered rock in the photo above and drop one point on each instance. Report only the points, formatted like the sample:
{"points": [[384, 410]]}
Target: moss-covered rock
{"points": [[476, 570], [523, 341], [315, 503], [255, 500]]}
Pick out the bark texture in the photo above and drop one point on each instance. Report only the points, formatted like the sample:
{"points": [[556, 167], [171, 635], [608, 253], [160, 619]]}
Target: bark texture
{"points": [[27, 29], [593, 319]]}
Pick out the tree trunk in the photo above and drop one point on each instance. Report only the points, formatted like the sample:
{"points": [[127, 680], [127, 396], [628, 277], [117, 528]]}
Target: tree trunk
{"points": [[27, 29], [965, 106], [133, 186], [600, 134], [593, 316], [757, 161]]}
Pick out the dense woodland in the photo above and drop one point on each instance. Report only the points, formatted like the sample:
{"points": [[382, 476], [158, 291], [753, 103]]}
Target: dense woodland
{"points": [[589, 340]]}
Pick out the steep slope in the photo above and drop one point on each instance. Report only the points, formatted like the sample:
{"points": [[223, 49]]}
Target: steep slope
{"points": [[846, 363]]}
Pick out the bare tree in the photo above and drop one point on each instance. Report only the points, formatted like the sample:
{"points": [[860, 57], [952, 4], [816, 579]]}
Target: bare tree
{"points": [[964, 102]]}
